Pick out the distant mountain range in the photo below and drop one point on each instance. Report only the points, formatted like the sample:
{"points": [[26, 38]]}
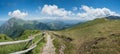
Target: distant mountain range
{"points": [[14, 26], [113, 17]]}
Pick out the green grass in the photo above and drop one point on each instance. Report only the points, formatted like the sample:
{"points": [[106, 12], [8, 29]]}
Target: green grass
{"points": [[22, 46], [4, 38], [11, 48], [39, 48], [28, 33], [62, 41], [99, 36]]}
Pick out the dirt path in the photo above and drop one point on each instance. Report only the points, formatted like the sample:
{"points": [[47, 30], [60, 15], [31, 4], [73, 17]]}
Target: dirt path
{"points": [[49, 47], [62, 48]]}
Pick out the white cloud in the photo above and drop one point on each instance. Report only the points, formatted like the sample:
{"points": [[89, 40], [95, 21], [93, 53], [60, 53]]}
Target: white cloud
{"points": [[18, 14], [83, 13], [90, 13], [75, 8], [53, 10]]}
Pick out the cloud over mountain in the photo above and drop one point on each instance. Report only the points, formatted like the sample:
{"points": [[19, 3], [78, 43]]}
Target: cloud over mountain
{"points": [[84, 13], [18, 14], [91, 13], [53, 10]]}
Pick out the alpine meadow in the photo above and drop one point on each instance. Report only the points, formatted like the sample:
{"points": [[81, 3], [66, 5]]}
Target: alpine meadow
{"points": [[59, 27]]}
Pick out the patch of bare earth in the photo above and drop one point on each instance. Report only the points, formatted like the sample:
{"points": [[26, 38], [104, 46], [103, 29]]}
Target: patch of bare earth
{"points": [[62, 48], [49, 47]]}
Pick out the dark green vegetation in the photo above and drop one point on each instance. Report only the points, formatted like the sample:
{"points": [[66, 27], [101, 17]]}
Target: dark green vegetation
{"points": [[99, 36], [14, 26], [4, 38], [6, 49]]}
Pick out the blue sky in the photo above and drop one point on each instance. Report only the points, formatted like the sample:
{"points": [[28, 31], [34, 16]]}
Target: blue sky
{"points": [[33, 8]]}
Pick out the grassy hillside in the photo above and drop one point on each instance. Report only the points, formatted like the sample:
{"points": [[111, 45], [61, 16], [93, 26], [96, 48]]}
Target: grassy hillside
{"points": [[28, 33], [4, 38], [99, 36], [6, 49], [9, 48]]}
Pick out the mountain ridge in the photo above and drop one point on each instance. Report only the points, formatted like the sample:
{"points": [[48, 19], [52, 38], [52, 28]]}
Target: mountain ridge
{"points": [[15, 26]]}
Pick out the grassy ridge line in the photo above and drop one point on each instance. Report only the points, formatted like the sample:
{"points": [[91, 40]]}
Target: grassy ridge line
{"points": [[93, 37], [87, 24]]}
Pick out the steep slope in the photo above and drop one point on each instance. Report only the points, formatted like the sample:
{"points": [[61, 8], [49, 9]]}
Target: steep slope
{"points": [[12, 27], [42, 26], [58, 25], [99, 36]]}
